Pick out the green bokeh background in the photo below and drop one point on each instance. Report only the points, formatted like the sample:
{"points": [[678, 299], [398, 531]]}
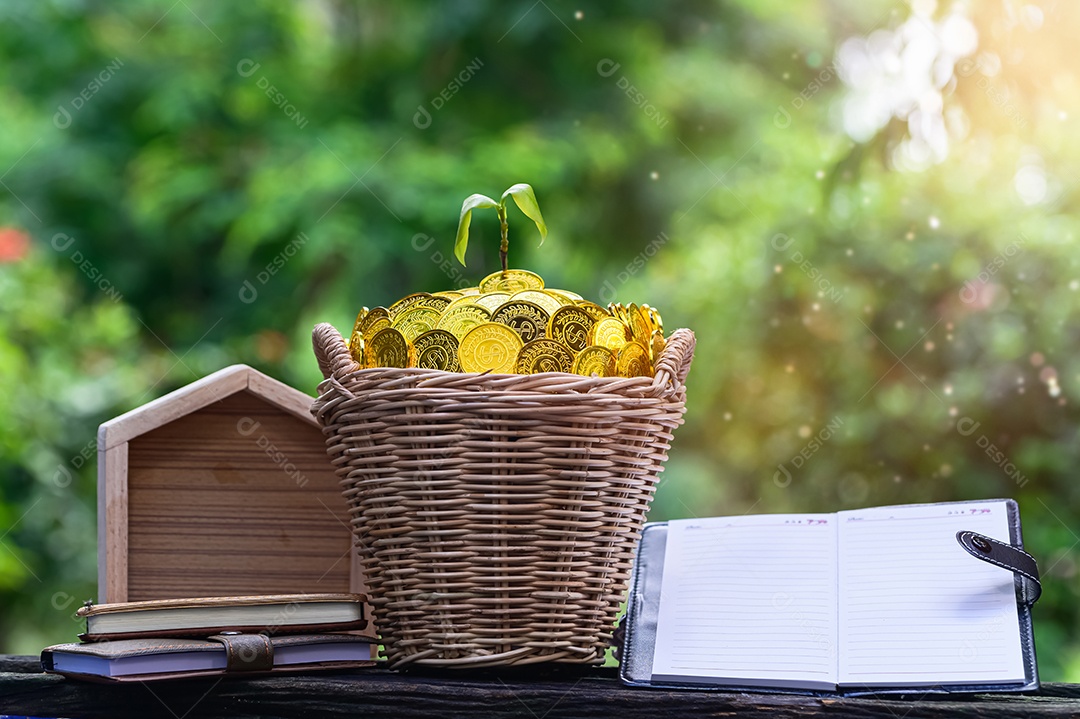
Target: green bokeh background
{"points": [[149, 171]]}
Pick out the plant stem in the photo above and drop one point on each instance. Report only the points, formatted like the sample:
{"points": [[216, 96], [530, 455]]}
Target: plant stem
{"points": [[504, 246]]}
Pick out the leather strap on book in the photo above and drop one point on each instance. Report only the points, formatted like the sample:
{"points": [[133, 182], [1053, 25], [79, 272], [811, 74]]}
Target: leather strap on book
{"points": [[246, 652], [1005, 556]]}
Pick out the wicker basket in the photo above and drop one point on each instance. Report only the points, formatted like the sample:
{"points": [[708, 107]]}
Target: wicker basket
{"points": [[496, 515]]}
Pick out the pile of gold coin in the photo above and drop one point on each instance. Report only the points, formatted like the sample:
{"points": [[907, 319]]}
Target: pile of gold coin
{"points": [[510, 324]]}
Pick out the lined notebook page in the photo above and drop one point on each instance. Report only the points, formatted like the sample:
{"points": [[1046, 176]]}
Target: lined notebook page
{"points": [[915, 608], [751, 600]]}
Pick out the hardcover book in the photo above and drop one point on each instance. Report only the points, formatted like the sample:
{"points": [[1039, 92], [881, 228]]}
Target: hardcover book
{"points": [[241, 654], [881, 600], [204, 616]]}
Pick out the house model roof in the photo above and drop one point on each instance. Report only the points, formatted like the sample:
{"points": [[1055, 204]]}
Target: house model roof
{"points": [[201, 394]]}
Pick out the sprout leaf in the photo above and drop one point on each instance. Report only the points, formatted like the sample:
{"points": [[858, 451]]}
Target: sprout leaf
{"points": [[472, 202], [526, 202]]}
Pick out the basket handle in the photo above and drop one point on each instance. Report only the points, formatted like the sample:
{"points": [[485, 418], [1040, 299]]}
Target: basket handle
{"points": [[674, 363], [331, 351]]}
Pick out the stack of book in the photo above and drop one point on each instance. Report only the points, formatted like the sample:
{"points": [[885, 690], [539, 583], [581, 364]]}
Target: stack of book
{"points": [[171, 638]]}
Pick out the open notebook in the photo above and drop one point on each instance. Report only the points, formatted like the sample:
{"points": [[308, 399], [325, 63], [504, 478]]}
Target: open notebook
{"points": [[871, 600]]}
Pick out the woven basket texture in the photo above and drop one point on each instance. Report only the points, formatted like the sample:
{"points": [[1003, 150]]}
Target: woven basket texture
{"points": [[496, 515]]}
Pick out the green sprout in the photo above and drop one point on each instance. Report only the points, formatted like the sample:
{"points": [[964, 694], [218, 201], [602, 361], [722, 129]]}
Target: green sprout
{"points": [[523, 198]]}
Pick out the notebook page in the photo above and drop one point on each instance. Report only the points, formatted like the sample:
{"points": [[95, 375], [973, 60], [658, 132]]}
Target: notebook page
{"points": [[915, 608], [750, 601]]}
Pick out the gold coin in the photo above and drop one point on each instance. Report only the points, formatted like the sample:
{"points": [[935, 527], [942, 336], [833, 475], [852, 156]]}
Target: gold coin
{"points": [[657, 344], [448, 294], [360, 319], [530, 321], [491, 347], [436, 302], [511, 281], [459, 301], [356, 348], [548, 301], [595, 311], [655, 320], [415, 321], [388, 348], [356, 340], [573, 296], [461, 316], [633, 361], [611, 333], [564, 300], [595, 360], [469, 291], [571, 326], [544, 356], [437, 349], [618, 311], [375, 320], [640, 326], [492, 300], [406, 302]]}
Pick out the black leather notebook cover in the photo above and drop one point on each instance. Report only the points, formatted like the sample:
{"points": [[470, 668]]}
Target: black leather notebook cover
{"points": [[638, 628]]}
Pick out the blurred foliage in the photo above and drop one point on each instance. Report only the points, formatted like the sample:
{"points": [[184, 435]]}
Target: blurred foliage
{"points": [[187, 186]]}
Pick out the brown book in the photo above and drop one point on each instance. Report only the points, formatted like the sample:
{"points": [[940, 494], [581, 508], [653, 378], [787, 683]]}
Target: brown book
{"points": [[231, 654], [205, 616]]}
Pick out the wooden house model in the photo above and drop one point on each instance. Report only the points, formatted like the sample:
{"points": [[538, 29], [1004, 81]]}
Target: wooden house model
{"points": [[221, 488]]}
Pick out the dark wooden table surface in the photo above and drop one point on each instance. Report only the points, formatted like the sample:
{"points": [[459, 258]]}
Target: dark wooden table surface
{"points": [[24, 690]]}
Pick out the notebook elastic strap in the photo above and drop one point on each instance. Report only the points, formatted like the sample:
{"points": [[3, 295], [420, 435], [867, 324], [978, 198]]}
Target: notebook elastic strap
{"points": [[1005, 556]]}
